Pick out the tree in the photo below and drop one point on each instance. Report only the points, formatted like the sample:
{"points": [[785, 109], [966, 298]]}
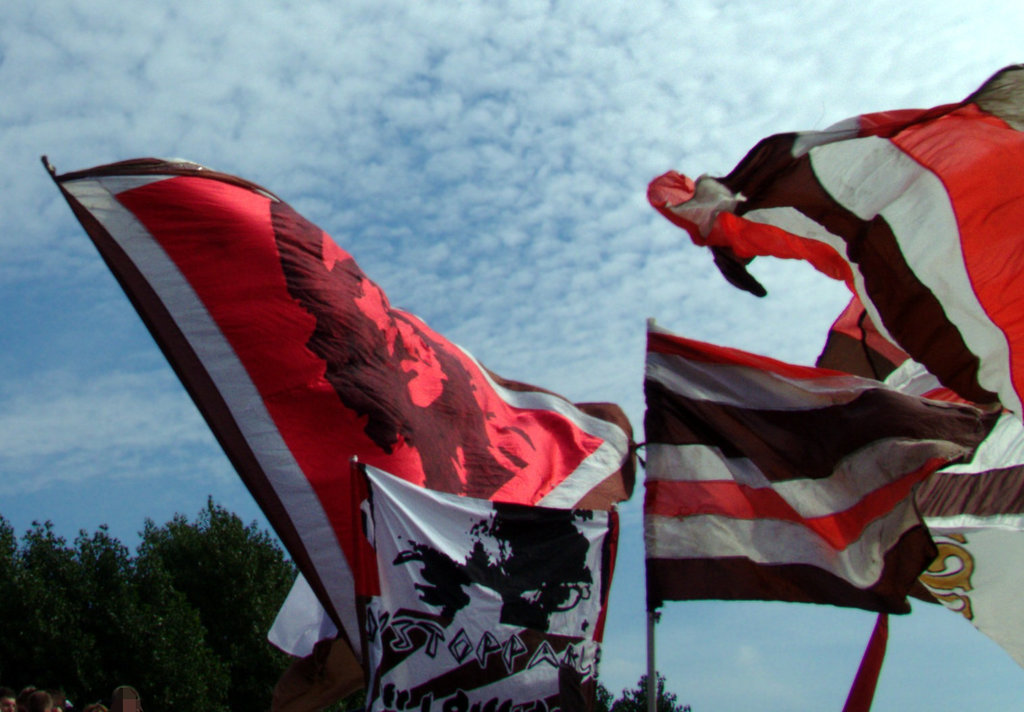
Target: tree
{"points": [[235, 577], [84, 619], [635, 700], [184, 620]]}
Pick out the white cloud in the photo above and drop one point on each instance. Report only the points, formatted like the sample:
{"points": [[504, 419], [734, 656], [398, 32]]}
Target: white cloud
{"points": [[59, 428], [485, 162]]}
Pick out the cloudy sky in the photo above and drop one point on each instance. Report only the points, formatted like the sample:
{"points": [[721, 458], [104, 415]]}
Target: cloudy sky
{"points": [[486, 163]]}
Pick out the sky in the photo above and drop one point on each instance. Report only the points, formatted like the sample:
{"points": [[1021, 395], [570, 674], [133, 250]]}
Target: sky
{"points": [[486, 164]]}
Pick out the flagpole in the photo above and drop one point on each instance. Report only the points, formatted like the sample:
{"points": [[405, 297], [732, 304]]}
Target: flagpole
{"points": [[652, 675]]}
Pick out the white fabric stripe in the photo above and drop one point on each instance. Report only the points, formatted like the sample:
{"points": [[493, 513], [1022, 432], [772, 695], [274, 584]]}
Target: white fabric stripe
{"points": [[301, 622], [795, 222], [749, 387], [766, 541], [840, 131], [855, 477], [872, 176], [1004, 447], [596, 468], [118, 184], [710, 198], [865, 174], [604, 461], [699, 463], [965, 522], [913, 378], [242, 397]]}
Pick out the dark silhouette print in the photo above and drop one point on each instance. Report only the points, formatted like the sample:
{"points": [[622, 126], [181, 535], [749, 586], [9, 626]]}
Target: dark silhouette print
{"points": [[388, 368], [535, 559]]}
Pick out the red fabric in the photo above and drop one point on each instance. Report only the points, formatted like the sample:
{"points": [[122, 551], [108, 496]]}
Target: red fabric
{"points": [[270, 331], [745, 239], [704, 352], [672, 189], [827, 466], [943, 290], [731, 499], [853, 322], [979, 162], [298, 362]]}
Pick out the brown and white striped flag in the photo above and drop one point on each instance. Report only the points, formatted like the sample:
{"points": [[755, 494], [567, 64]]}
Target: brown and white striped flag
{"points": [[769, 481]]}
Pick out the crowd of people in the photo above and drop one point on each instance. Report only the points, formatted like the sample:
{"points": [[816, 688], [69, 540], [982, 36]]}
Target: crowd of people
{"points": [[32, 699]]}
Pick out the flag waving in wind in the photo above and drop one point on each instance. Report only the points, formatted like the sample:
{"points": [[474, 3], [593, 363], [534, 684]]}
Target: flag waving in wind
{"points": [[768, 481], [483, 605], [973, 509], [299, 363], [920, 212]]}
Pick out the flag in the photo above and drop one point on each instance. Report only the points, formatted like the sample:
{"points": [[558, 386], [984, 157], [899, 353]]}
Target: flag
{"points": [[975, 513], [330, 672], [483, 605], [974, 510], [920, 212], [976, 518], [769, 481], [854, 345], [299, 363]]}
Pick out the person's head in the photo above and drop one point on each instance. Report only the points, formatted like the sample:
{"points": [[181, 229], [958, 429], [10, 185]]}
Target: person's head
{"points": [[40, 701], [23, 696], [125, 699], [96, 707], [8, 700]]}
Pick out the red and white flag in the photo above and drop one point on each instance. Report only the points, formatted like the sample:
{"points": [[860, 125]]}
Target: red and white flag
{"points": [[920, 212], [299, 363], [769, 481]]}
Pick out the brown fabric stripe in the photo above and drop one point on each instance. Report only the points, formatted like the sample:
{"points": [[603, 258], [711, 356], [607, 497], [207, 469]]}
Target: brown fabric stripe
{"points": [[740, 579], [765, 164], [984, 494], [787, 445], [923, 330], [849, 355]]}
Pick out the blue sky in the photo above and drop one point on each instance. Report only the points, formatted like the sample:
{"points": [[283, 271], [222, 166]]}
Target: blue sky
{"points": [[486, 164]]}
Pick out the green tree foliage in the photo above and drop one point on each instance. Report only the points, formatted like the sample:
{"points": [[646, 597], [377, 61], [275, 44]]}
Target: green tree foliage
{"points": [[184, 620], [635, 700], [236, 578]]}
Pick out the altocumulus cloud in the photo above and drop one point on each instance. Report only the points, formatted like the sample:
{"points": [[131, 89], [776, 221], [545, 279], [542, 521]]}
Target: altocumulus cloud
{"points": [[55, 429], [485, 163]]}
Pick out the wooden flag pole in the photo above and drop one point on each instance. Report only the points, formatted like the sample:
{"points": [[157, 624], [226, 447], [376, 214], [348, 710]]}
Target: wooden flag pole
{"points": [[652, 671]]}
